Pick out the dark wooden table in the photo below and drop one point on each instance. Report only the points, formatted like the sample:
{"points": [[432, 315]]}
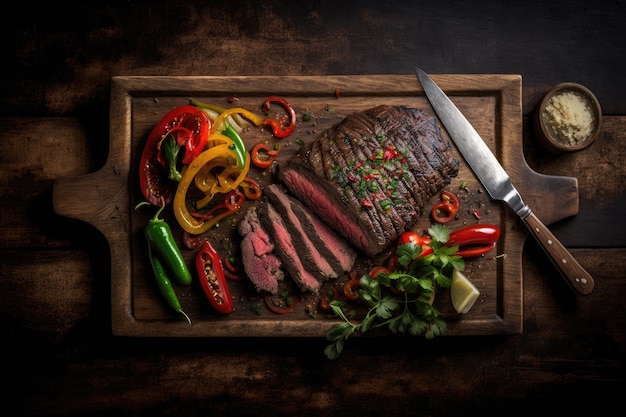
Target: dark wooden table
{"points": [[59, 355]]}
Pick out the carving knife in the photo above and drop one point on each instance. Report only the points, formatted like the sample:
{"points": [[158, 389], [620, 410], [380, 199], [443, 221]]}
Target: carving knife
{"points": [[498, 183]]}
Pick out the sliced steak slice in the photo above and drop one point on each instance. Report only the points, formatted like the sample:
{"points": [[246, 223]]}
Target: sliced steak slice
{"points": [[327, 255], [260, 263], [369, 176], [287, 248]]}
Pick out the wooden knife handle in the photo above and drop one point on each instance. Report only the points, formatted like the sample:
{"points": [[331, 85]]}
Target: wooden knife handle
{"points": [[575, 275]]}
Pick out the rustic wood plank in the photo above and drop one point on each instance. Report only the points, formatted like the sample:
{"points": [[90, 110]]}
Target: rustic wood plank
{"points": [[308, 38], [45, 292], [35, 153], [600, 170]]}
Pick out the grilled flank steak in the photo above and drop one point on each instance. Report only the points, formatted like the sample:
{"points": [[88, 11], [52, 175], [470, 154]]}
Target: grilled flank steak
{"points": [[369, 176]]}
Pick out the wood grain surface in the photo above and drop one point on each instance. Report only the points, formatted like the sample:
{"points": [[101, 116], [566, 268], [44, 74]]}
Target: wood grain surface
{"points": [[61, 358]]}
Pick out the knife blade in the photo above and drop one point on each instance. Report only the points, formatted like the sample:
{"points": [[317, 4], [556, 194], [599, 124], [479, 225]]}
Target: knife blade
{"points": [[498, 184]]}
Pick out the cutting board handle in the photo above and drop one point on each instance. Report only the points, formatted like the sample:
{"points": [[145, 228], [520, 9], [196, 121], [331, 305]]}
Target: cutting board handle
{"points": [[98, 198]]}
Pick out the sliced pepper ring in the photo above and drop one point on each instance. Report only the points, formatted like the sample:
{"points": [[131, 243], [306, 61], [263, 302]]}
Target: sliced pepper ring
{"points": [[263, 156], [280, 304], [446, 210], [251, 188], [279, 130], [181, 211]]}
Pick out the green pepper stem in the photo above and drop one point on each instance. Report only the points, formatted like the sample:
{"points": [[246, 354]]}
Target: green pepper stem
{"points": [[171, 150]]}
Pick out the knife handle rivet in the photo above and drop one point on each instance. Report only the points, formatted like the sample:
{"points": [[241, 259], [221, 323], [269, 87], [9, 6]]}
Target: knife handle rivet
{"points": [[564, 261], [549, 241]]}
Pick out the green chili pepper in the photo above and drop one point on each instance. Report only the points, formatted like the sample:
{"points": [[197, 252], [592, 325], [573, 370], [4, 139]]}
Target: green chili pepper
{"points": [[162, 244], [165, 285]]}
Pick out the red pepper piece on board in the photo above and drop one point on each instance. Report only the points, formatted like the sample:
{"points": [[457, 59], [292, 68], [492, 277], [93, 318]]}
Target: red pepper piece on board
{"points": [[474, 234], [213, 280], [474, 240], [251, 188], [351, 289], [279, 129], [263, 156], [446, 210], [328, 296], [190, 127], [281, 304]]}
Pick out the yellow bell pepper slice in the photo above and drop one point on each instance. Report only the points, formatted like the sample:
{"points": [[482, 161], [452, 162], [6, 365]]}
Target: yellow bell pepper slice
{"points": [[181, 212]]}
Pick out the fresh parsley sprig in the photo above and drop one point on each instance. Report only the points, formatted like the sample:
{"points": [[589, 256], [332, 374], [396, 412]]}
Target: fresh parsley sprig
{"points": [[408, 308]]}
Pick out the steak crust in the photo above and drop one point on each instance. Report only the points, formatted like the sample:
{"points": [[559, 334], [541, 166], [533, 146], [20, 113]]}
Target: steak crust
{"points": [[369, 176]]}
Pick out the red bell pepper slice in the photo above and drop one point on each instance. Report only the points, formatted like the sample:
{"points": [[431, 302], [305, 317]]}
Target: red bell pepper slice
{"points": [[279, 129], [213, 280], [190, 127]]}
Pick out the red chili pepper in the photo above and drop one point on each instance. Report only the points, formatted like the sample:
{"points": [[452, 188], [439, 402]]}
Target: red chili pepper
{"points": [[474, 234], [278, 128], [351, 289], [213, 280], [189, 126], [446, 210], [474, 240], [263, 156], [284, 305]]}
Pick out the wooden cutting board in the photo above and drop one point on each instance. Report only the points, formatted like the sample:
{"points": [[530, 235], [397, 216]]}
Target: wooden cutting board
{"points": [[107, 198]]}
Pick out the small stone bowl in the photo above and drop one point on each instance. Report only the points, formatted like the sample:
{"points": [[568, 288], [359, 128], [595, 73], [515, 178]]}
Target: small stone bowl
{"points": [[568, 119]]}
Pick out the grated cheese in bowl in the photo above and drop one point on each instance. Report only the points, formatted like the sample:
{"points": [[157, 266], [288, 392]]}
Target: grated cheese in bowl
{"points": [[569, 117]]}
